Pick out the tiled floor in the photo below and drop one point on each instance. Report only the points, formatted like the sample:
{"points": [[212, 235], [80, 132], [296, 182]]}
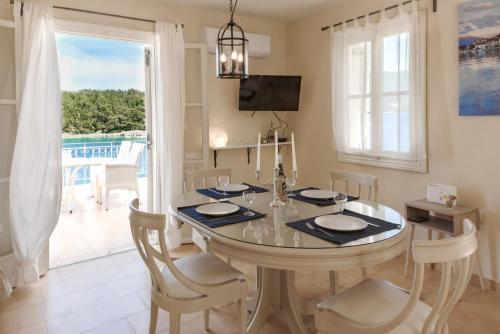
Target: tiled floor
{"points": [[91, 231], [110, 295]]}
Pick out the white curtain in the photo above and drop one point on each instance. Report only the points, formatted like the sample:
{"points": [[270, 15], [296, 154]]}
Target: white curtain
{"points": [[5, 287], [378, 86], [35, 180], [169, 123]]}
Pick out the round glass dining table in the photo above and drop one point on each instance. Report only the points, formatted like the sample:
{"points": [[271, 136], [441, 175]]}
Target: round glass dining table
{"points": [[278, 250]]}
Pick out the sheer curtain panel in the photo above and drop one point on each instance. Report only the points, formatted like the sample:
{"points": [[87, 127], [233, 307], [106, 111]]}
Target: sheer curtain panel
{"points": [[378, 90], [169, 123], [35, 181]]}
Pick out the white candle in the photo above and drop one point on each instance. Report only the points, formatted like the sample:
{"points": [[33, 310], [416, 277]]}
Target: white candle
{"points": [[294, 157], [258, 153], [276, 163]]}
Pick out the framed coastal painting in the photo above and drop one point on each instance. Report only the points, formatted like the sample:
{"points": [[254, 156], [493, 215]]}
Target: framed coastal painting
{"points": [[479, 57]]}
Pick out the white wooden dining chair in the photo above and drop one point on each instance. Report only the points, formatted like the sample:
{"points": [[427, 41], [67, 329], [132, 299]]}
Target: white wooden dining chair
{"points": [[374, 306], [187, 285], [202, 179], [121, 175], [352, 184], [355, 183]]}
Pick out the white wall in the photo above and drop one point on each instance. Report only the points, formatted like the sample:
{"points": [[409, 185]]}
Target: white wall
{"points": [[462, 150]]}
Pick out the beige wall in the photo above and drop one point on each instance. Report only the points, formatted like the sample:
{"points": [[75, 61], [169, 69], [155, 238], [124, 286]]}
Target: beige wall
{"points": [[222, 94], [462, 150]]}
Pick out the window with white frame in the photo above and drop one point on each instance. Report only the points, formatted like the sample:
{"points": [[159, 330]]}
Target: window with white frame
{"points": [[378, 91]]}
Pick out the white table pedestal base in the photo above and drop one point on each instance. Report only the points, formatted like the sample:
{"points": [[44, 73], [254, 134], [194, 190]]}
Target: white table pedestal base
{"points": [[276, 292]]}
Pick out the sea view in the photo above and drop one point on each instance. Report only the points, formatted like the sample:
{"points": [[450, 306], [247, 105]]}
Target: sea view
{"points": [[479, 78]]}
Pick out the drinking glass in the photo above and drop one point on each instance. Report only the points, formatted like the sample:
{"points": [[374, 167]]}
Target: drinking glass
{"points": [[224, 182], [249, 197], [291, 182], [341, 199]]}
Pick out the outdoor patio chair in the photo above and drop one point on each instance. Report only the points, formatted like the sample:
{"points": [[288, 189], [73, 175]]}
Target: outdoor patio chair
{"points": [[96, 170], [121, 175]]}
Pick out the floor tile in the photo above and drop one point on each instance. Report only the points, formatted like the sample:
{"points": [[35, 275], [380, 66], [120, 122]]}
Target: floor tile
{"points": [[120, 308], [89, 297], [118, 327], [8, 322], [65, 287], [103, 276], [32, 314], [76, 269], [75, 323], [34, 329], [140, 322], [134, 268], [130, 284]]}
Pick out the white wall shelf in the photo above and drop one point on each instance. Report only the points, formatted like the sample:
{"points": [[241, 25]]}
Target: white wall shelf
{"points": [[248, 147]]}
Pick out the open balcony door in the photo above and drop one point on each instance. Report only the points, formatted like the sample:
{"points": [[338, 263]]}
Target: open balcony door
{"points": [[148, 103]]}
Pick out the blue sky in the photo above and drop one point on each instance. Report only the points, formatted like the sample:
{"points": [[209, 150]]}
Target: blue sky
{"points": [[479, 18], [98, 63]]}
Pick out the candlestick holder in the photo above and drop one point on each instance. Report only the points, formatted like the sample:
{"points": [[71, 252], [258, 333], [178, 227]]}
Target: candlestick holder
{"points": [[276, 202]]}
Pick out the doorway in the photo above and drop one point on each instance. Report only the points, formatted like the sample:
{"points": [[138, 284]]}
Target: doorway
{"points": [[106, 153]]}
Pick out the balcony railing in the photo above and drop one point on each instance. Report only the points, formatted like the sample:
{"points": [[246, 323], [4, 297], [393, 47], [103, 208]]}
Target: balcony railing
{"points": [[103, 150]]}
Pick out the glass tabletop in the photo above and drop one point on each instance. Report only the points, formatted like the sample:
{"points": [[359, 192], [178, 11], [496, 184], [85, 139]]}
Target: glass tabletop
{"points": [[273, 231]]}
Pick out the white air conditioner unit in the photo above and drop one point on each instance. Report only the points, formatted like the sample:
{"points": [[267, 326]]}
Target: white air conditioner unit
{"points": [[258, 45]]}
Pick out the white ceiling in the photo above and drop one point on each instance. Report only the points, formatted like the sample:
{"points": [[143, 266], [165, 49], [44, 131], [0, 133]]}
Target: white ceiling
{"points": [[285, 10]]}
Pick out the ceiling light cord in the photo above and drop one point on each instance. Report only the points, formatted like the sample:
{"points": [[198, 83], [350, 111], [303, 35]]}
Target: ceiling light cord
{"points": [[232, 8]]}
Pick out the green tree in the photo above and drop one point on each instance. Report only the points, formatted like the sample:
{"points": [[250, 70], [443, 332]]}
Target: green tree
{"points": [[105, 111]]}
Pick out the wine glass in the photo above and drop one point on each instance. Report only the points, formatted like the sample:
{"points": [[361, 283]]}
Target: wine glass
{"points": [[291, 182], [341, 199], [224, 182], [249, 197]]}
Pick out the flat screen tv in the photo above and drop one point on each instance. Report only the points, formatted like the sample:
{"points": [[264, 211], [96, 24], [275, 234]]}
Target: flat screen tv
{"points": [[270, 93]]}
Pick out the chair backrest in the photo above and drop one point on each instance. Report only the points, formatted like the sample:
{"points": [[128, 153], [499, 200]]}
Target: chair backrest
{"points": [[142, 224], [358, 180], [456, 257], [133, 155], [124, 149], [201, 178]]}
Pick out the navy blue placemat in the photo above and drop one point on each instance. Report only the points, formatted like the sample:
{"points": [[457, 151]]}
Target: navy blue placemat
{"points": [[345, 237], [212, 222], [318, 202], [218, 195]]}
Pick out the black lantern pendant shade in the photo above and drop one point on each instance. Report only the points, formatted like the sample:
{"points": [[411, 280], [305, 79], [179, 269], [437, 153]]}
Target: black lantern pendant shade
{"points": [[232, 50]]}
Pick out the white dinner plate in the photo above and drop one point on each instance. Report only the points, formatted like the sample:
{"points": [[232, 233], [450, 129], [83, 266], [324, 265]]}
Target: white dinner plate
{"points": [[341, 223], [217, 209], [233, 188], [318, 194]]}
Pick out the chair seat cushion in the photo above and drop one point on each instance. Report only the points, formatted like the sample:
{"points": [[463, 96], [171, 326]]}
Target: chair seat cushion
{"points": [[372, 302], [204, 268]]}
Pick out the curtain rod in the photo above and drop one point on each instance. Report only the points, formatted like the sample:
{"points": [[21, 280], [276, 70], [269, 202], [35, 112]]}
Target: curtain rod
{"points": [[324, 28], [101, 13]]}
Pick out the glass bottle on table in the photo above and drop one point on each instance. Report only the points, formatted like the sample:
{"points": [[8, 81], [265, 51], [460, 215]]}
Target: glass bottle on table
{"points": [[283, 190]]}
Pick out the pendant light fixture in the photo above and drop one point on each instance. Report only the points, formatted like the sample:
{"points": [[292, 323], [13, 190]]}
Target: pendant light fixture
{"points": [[232, 49]]}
